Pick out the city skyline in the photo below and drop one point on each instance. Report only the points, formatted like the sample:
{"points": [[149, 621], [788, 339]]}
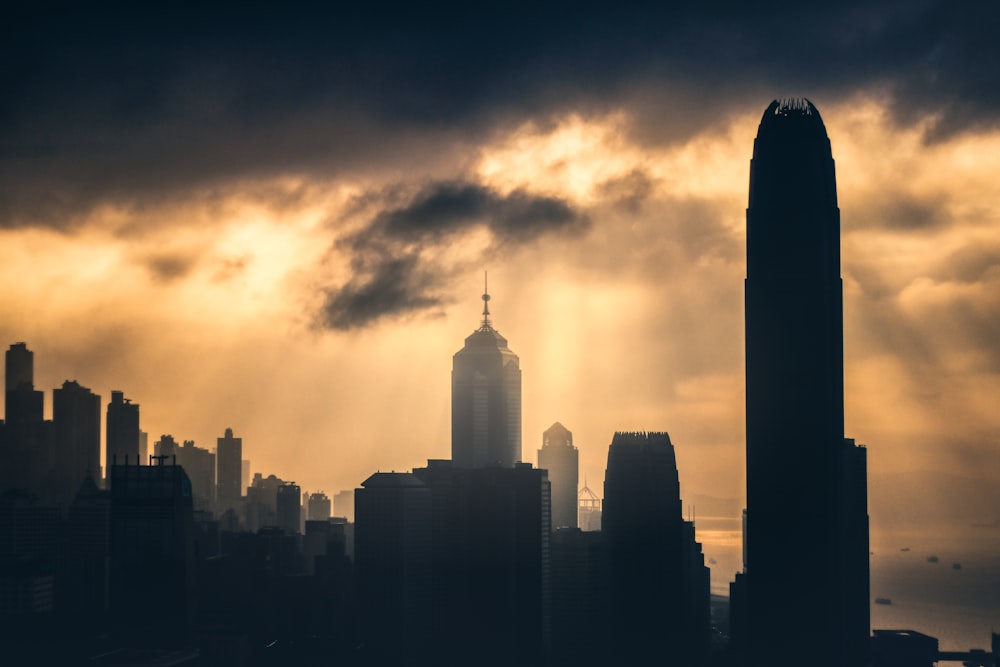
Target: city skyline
{"points": [[611, 221]]}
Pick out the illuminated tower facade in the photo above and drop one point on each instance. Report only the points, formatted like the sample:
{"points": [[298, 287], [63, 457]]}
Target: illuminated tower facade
{"points": [[485, 400], [562, 460], [806, 579]]}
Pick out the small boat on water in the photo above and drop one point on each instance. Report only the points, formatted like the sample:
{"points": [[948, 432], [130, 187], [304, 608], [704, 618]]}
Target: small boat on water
{"points": [[905, 549], [883, 601], [956, 566], [932, 559]]}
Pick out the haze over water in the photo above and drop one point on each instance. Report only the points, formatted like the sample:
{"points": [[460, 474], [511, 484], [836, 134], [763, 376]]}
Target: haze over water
{"points": [[959, 607]]}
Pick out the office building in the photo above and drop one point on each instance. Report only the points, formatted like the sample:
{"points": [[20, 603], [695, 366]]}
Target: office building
{"points": [[229, 459], [485, 400], [122, 434], [562, 460], [491, 535], [806, 490], [25, 455], [288, 507], [343, 504], [393, 564], [658, 596], [319, 507], [76, 419], [152, 577]]}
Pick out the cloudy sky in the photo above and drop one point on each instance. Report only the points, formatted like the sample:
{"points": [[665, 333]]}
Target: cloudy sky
{"points": [[280, 222]]}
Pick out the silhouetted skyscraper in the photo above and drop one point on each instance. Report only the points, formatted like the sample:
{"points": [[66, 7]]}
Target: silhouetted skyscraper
{"points": [[288, 507], [319, 507], [657, 582], [24, 455], [76, 418], [807, 535], [122, 436], [562, 460], [485, 400], [20, 367], [229, 455], [393, 559]]}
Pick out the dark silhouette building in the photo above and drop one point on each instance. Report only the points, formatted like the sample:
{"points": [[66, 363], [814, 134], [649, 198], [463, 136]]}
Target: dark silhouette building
{"points": [[491, 563], [485, 400], [152, 557], [122, 436], [393, 561], [76, 419], [319, 507], [83, 591], [562, 460], [288, 507], [657, 586], [229, 459], [199, 464], [25, 455], [807, 531]]}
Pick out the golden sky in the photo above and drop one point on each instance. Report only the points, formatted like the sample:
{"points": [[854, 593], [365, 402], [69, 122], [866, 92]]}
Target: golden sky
{"points": [[294, 247]]}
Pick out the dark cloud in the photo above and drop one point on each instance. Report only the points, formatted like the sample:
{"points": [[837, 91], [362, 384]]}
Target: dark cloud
{"points": [[169, 267], [391, 274], [130, 104]]}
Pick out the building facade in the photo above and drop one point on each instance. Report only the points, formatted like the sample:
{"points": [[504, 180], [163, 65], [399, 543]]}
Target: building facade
{"points": [[657, 586], [562, 460], [806, 491], [485, 400], [229, 460], [122, 433]]}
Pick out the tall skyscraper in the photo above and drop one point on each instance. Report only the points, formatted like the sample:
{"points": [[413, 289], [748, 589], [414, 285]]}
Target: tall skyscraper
{"points": [[288, 507], [20, 367], [122, 436], [24, 455], [562, 460], [229, 454], [485, 400], [657, 581], [76, 418], [806, 579]]}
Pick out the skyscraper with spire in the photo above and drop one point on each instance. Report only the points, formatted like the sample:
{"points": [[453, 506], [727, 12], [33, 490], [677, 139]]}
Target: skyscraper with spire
{"points": [[485, 399], [806, 570]]}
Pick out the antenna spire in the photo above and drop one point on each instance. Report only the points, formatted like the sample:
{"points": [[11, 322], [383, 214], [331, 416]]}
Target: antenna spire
{"points": [[486, 302]]}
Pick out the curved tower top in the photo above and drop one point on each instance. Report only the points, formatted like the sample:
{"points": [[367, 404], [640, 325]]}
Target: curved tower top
{"points": [[804, 525]]}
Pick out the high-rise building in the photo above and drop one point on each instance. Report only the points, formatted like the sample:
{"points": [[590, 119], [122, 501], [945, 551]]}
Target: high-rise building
{"points": [[806, 490], [490, 537], [24, 455], [485, 400], [122, 436], [343, 504], [393, 557], [199, 464], [288, 507], [76, 418], [562, 460], [658, 589], [319, 506], [20, 367], [152, 577], [229, 455]]}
